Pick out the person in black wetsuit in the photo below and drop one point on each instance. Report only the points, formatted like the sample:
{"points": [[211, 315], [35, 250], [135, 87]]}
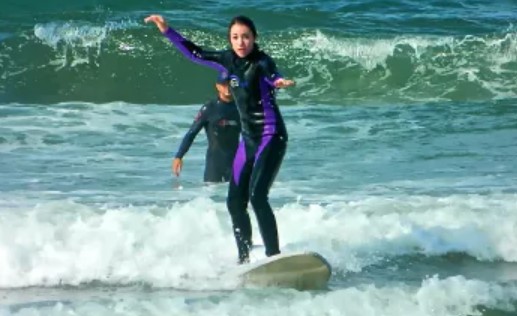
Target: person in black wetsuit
{"points": [[220, 119], [253, 80]]}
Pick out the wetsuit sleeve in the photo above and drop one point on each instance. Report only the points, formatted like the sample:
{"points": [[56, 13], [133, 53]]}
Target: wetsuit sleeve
{"points": [[269, 70], [212, 59], [199, 122]]}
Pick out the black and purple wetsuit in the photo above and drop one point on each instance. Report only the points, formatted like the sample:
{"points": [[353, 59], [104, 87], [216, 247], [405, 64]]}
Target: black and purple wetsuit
{"points": [[264, 137], [221, 123]]}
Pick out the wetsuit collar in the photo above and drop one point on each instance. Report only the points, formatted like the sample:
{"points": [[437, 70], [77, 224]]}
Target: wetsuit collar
{"points": [[252, 55], [223, 101]]}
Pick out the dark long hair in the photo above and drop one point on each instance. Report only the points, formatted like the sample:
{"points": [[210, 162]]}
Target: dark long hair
{"points": [[244, 20]]}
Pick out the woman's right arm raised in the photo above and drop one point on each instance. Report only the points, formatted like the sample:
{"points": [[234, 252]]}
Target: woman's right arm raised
{"points": [[186, 47]]}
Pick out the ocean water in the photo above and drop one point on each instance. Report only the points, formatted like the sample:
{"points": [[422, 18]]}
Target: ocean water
{"points": [[401, 167]]}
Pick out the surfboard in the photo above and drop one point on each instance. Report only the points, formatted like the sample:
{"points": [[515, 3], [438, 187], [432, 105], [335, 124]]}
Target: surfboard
{"points": [[302, 271]]}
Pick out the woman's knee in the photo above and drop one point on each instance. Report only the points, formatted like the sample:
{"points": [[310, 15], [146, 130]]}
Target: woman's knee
{"points": [[259, 201], [236, 204]]}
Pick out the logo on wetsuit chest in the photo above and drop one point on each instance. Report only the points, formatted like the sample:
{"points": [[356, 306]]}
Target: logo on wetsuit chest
{"points": [[236, 82]]}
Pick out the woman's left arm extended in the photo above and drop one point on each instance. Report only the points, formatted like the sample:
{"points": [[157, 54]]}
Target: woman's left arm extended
{"points": [[272, 76]]}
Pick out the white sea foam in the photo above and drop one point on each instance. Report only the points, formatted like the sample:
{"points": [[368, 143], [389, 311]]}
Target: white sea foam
{"points": [[189, 243], [432, 61], [434, 296]]}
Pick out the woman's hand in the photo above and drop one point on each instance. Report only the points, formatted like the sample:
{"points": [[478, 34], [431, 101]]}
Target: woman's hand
{"points": [[160, 22], [177, 164], [283, 83]]}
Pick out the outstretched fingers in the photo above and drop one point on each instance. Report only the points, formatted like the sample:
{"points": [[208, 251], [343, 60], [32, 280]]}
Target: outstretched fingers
{"points": [[284, 83], [158, 20]]}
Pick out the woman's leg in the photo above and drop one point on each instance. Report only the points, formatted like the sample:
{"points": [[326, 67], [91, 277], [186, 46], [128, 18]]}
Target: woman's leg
{"points": [[238, 197], [268, 159]]}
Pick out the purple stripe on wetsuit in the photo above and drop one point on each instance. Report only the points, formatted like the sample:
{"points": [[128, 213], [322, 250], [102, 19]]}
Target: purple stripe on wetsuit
{"points": [[238, 161], [263, 143], [269, 116], [177, 39], [271, 81]]}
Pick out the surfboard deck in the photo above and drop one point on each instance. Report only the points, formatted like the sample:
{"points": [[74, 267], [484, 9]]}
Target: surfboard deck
{"points": [[301, 270]]}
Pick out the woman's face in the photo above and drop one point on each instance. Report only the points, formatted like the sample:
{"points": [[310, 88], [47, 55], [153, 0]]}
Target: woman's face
{"points": [[242, 39]]}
